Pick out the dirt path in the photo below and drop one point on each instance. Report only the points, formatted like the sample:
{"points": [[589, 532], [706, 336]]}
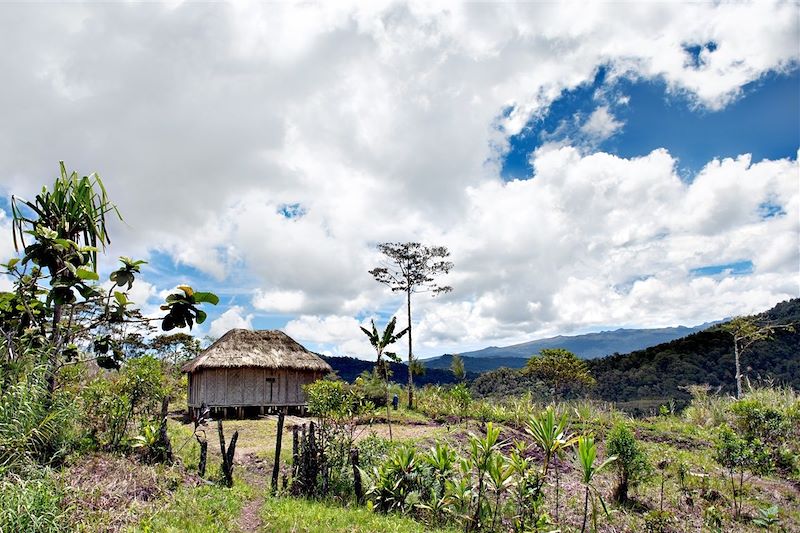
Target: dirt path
{"points": [[255, 473]]}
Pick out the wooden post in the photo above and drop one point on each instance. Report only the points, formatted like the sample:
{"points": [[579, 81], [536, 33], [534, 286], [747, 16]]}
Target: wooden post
{"points": [[227, 455], [165, 446], [276, 466], [295, 448], [356, 476], [201, 466]]}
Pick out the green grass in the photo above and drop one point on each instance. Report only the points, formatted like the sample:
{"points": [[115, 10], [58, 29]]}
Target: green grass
{"points": [[210, 508], [292, 515]]}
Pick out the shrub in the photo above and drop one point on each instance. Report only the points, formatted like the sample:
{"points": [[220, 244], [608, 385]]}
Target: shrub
{"points": [[739, 455], [631, 465], [111, 403]]}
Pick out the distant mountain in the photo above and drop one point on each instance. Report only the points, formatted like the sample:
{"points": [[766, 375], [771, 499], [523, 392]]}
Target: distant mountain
{"points": [[642, 380], [588, 346]]}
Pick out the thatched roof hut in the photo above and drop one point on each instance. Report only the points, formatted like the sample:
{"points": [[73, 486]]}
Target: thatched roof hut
{"points": [[245, 368]]}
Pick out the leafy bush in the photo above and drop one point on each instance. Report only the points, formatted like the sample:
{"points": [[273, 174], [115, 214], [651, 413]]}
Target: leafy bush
{"points": [[631, 465], [31, 505], [111, 403], [739, 455]]}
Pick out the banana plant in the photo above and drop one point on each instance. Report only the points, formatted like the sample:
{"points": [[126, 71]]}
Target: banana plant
{"points": [[550, 434], [380, 341], [587, 453], [501, 479], [527, 490], [481, 451]]}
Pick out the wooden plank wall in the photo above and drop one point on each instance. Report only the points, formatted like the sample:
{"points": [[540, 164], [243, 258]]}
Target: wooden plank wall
{"points": [[236, 387]]}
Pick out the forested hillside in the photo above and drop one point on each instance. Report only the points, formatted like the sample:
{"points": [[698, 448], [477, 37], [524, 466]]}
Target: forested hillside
{"points": [[659, 372]]}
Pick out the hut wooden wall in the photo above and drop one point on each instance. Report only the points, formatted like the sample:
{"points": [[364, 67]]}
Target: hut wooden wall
{"points": [[238, 387]]}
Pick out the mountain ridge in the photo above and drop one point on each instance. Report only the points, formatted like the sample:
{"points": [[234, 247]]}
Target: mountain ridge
{"points": [[587, 346]]}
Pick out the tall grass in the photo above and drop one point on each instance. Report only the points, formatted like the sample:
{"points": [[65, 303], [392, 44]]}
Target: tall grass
{"points": [[31, 505], [34, 427]]}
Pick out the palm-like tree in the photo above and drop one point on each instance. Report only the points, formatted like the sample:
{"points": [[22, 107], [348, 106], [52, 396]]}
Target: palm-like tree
{"points": [[380, 341], [587, 453], [551, 436]]}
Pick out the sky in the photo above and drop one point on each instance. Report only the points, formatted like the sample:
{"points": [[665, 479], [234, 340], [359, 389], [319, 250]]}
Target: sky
{"points": [[589, 166]]}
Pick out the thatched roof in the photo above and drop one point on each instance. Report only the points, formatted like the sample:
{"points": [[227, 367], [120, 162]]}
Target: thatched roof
{"points": [[262, 349]]}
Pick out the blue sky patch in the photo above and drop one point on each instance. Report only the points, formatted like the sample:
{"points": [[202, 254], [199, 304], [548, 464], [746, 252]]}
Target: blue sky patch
{"points": [[739, 268], [763, 121], [292, 210]]}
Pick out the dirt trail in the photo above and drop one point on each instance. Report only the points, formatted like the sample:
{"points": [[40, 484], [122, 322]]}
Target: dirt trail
{"points": [[255, 472]]}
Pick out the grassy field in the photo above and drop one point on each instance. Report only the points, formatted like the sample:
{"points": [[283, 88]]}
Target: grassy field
{"points": [[114, 493]]}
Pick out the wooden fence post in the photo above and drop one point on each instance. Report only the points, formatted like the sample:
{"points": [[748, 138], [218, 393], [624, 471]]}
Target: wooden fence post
{"points": [[227, 455], [278, 439], [357, 476]]}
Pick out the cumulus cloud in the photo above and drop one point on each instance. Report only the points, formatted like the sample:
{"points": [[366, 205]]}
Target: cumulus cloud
{"points": [[234, 317], [601, 125], [388, 121]]}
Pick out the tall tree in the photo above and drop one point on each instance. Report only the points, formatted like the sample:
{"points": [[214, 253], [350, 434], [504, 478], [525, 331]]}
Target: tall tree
{"points": [[380, 341], [176, 348], [412, 267], [57, 306], [558, 367], [747, 331]]}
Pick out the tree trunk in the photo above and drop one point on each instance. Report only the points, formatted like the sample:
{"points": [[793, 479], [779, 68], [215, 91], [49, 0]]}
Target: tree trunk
{"points": [[164, 444], [410, 354], [738, 368], [201, 466], [357, 476], [278, 438], [555, 464], [388, 412], [52, 362], [585, 509]]}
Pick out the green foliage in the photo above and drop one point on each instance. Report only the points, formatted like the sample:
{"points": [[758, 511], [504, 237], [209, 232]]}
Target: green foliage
{"points": [[32, 505], [662, 372], [560, 369], [395, 484], [461, 397], [457, 367], [767, 517], [631, 465], [739, 455], [587, 453], [182, 308], [328, 399], [658, 521], [33, 428], [111, 403], [380, 341]]}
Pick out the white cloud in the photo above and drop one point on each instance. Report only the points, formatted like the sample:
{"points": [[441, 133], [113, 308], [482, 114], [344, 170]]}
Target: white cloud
{"points": [[380, 120], [601, 125], [234, 317], [280, 301]]}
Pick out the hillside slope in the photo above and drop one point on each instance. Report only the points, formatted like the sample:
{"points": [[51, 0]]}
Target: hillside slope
{"points": [[660, 371]]}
